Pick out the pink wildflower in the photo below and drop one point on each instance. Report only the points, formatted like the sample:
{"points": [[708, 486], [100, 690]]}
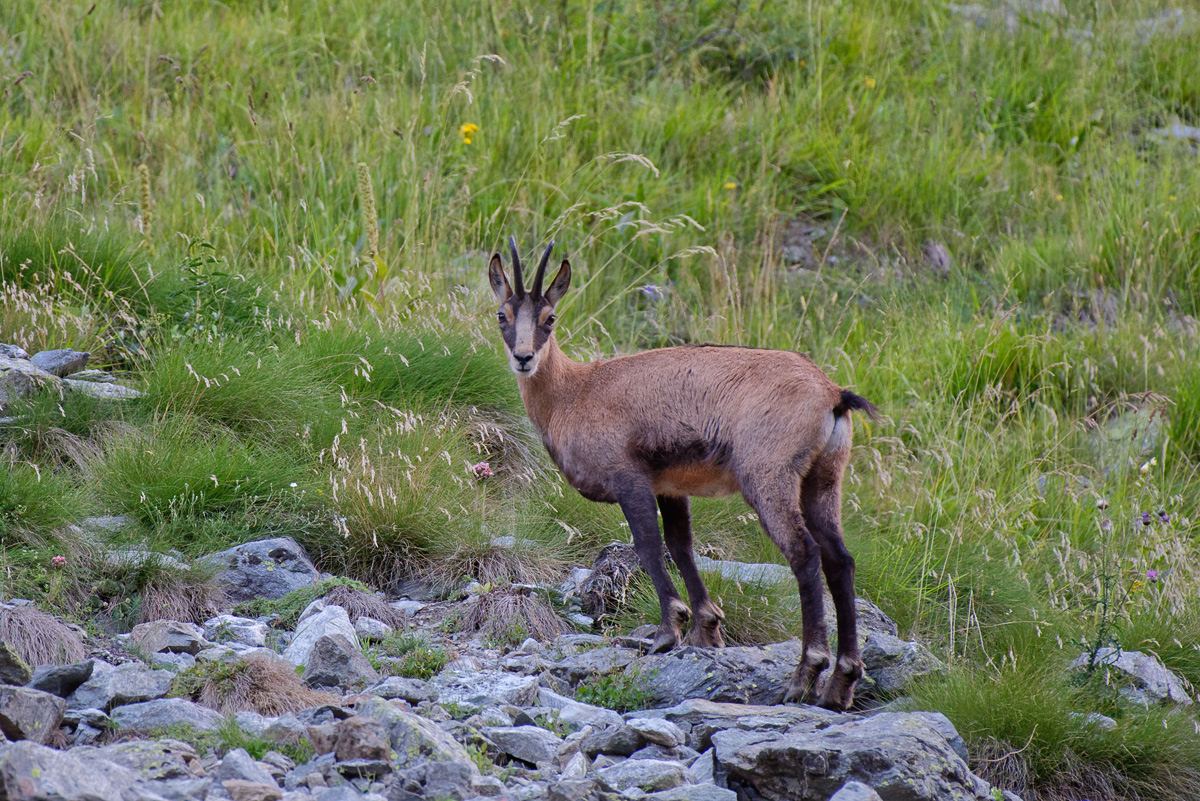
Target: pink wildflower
{"points": [[482, 470], [59, 561]]}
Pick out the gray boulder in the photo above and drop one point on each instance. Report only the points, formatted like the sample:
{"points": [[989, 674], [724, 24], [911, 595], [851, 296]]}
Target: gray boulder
{"points": [[20, 378], [148, 717], [369, 629], [32, 772], [658, 730], [62, 362], [530, 744], [110, 687], [238, 764], [649, 775], [334, 661], [265, 569], [1146, 681], [414, 739], [894, 750], [27, 714], [13, 352], [234, 629], [412, 690], [893, 663], [13, 669], [169, 636], [326, 621], [61, 680]]}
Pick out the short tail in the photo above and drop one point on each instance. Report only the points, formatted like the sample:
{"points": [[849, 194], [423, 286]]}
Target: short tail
{"points": [[851, 402]]}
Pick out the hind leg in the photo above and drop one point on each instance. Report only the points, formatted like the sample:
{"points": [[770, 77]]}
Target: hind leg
{"points": [[637, 501], [821, 499], [777, 502], [677, 531]]}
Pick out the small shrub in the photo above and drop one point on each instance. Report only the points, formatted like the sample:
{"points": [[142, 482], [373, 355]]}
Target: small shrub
{"points": [[409, 655], [619, 692]]}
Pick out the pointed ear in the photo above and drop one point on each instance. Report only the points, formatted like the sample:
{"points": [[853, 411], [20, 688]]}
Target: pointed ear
{"points": [[558, 287], [498, 280]]}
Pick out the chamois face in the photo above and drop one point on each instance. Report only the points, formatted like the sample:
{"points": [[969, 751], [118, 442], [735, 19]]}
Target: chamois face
{"points": [[526, 318]]}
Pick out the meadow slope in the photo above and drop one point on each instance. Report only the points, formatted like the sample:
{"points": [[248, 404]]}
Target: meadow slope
{"points": [[274, 218]]}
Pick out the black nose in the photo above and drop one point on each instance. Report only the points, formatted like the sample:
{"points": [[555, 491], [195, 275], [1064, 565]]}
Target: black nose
{"points": [[523, 361]]}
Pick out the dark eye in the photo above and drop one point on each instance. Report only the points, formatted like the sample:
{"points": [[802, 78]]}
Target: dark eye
{"points": [[500, 316], [550, 320]]}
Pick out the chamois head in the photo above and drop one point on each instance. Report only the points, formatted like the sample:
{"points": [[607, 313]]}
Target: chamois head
{"points": [[526, 318]]}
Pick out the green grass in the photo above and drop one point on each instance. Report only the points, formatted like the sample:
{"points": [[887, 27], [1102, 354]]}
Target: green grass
{"points": [[409, 655], [680, 145]]}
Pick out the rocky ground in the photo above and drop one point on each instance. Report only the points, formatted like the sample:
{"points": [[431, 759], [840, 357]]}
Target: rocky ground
{"points": [[495, 722]]}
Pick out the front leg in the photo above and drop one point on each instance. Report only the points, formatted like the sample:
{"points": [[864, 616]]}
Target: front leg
{"points": [[677, 531], [636, 498]]}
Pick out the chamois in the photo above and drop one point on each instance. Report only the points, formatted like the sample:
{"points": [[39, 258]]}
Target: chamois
{"points": [[659, 426]]}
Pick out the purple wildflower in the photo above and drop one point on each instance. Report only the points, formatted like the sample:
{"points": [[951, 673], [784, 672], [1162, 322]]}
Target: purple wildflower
{"points": [[1152, 575], [1146, 519], [654, 291], [1163, 516]]}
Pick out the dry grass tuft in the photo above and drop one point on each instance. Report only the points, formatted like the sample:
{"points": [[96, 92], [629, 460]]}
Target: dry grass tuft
{"points": [[259, 683], [605, 590], [475, 555], [39, 638], [363, 604], [510, 616], [183, 600]]}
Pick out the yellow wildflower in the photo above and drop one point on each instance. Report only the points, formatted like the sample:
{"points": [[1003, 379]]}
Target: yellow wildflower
{"points": [[467, 132], [870, 82], [1058, 198], [1171, 198], [731, 185]]}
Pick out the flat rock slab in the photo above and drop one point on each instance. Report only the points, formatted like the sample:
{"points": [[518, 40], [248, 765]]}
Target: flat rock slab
{"points": [[700, 719], [649, 775], [265, 569], [149, 717], [110, 687], [150, 759], [106, 391], [412, 690], [898, 754], [577, 667], [169, 636], [745, 675], [27, 714], [31, 772], [475, 689]]}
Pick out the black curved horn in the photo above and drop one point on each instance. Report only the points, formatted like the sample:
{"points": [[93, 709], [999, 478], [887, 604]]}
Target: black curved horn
{"points": [[541, 270], [519, 284]]}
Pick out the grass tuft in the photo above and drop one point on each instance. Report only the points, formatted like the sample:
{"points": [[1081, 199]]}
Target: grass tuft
{"points": [[39, 638]]}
